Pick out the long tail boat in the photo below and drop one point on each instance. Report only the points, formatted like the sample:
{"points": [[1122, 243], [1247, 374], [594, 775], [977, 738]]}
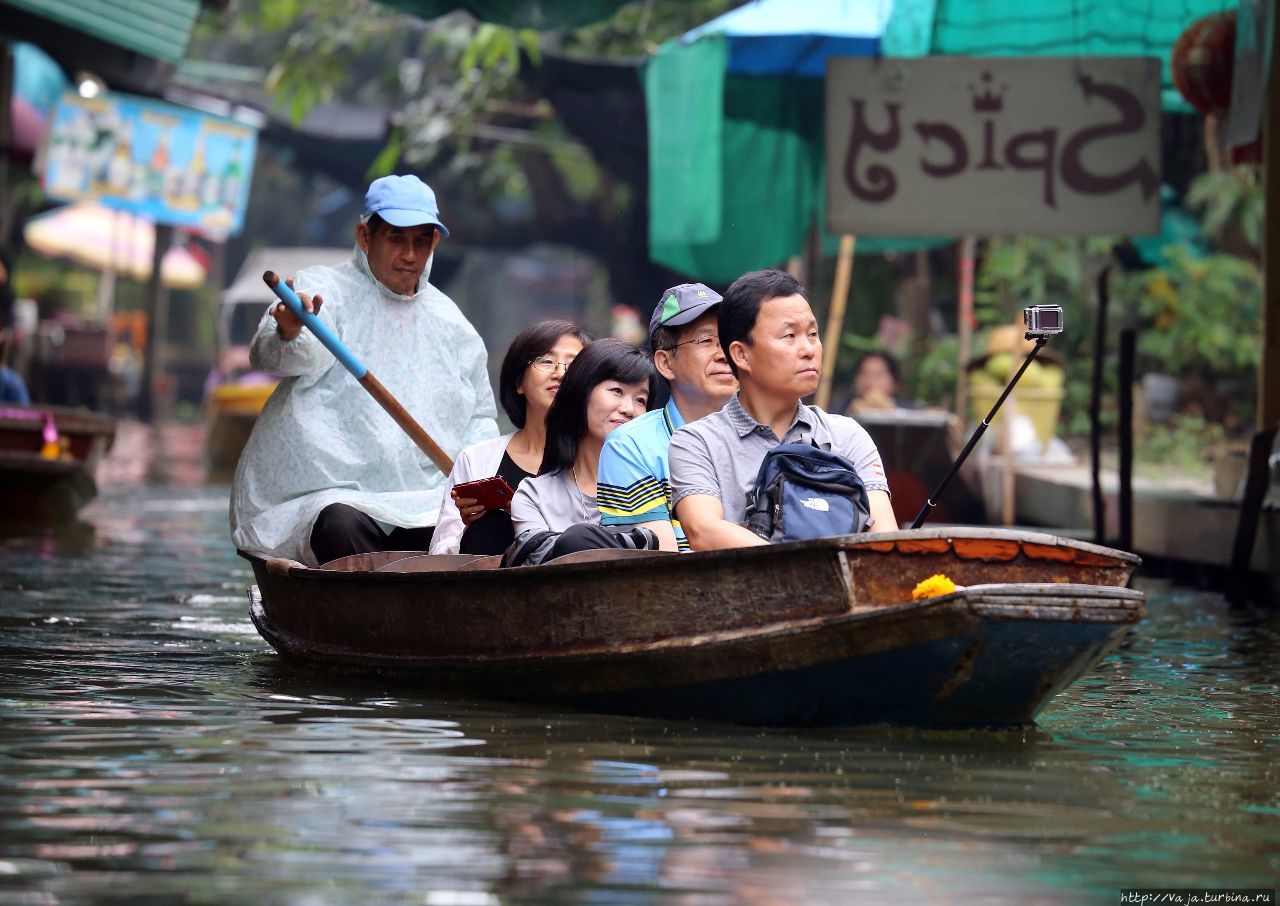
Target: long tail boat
{"points": [[48, 457], [816, 633]]}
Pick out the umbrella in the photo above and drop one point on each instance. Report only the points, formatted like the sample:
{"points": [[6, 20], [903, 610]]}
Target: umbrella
{"points": [[37, 83], [780, 37], [112, 241]]}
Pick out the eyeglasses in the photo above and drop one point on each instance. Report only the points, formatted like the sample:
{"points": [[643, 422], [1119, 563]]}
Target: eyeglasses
{"points": [[703, 343], [548, 365]]}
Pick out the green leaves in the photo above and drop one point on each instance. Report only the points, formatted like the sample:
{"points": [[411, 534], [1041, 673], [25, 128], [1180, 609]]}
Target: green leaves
{"points": [[1229, 199], [1204, 315]]}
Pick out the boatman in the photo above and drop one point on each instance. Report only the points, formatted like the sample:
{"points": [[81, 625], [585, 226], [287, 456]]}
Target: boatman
{"points": [[326, 471], [770, 338], [634, 485]]}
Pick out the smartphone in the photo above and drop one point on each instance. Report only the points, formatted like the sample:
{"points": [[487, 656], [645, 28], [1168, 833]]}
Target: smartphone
{"points": [[491, 493]]}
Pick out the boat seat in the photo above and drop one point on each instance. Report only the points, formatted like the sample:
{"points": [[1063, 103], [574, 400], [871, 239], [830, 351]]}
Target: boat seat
{"points": [[597, 556], [368, 562], [493, 562], [427, 563]]}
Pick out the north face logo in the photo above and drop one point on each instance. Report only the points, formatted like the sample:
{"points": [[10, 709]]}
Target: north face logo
{"points": [[816, 503]]}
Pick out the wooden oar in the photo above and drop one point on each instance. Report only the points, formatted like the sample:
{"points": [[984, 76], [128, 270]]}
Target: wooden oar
{"points": [[344, 355]]}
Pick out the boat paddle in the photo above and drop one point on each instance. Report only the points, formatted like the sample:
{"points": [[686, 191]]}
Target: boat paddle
{"points": [[1042, 321], [284, 292]]}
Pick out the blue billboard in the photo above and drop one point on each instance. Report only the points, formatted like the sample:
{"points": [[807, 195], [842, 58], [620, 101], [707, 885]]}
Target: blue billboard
{"points": [[166, 163]]}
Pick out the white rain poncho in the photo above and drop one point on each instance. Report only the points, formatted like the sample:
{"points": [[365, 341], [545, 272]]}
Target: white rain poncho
{"points": [[322, 439]]}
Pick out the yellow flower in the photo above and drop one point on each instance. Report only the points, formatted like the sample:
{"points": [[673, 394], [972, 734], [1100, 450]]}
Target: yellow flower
{"points": [[932, 587], [1160, 288]]}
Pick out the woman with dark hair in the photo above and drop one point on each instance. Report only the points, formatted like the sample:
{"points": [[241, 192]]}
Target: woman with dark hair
{"points": [[877, 381], [609, 383], [531, 374]]}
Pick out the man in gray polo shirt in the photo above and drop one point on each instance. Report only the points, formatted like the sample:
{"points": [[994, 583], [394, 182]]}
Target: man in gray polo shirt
{"points": [[770, 337]]}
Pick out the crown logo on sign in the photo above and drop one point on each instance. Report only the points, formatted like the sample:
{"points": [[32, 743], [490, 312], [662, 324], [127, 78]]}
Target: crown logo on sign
{"points": [[985, 99]]}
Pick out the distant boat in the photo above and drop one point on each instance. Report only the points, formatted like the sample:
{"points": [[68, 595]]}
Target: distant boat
{"points": [[234, 392], [815, 633], [48, 458]]}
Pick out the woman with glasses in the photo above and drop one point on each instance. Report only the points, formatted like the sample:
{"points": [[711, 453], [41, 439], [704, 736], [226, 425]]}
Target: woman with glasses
{"points": [[610, 383], [531, 374]]}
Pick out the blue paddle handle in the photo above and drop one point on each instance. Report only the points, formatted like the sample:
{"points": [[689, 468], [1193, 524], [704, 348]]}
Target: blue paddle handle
{"points": [[285, 294]]}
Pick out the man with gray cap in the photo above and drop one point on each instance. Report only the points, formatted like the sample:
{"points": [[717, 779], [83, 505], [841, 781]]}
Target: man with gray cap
{"points": [[327, 472], [633, 480]]}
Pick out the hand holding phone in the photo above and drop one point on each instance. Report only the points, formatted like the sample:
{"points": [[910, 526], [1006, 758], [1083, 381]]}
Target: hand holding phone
{"points": [[486, 493]]}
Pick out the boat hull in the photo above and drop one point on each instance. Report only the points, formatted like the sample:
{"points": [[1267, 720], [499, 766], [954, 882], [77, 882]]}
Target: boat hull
{"points": [[38, 491], [811, 634]]}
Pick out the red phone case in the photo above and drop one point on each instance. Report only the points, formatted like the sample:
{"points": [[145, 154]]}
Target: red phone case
{"points": [[491, 493]]}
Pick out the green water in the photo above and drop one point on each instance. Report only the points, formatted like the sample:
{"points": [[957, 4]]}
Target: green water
{"points": [[153, 749]]}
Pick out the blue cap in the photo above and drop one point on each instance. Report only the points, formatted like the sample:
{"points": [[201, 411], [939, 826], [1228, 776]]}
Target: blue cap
{"points": [[402, 201]]}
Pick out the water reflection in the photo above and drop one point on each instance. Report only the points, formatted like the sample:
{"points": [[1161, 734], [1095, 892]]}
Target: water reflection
{"points": [[154, 749]]}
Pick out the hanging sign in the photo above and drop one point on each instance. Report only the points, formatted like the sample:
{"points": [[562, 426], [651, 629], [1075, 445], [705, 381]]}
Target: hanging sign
{"points": [[166, 163], [962, 145]]}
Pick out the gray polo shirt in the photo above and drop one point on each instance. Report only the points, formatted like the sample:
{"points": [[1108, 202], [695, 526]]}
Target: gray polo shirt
{"points": [[551, 502], [720, 454]]}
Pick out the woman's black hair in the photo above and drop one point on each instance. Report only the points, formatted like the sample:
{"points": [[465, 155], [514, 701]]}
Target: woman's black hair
{"points": [[890, 363], [532, 342], [603, 360], [738, 310]]}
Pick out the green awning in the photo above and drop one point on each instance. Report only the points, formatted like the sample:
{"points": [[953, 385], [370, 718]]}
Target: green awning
{"points": [[540, 14], [154, 28]]}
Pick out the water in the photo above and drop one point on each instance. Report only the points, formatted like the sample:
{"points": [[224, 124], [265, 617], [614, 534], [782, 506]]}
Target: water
{"points": [[153, 749]]}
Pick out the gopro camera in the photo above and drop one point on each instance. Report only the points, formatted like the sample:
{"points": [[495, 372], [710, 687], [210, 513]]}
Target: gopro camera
{"points": [[1042, 320]]}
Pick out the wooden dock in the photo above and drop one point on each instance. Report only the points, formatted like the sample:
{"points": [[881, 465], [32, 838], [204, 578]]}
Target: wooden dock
{"points": [[1178, 520]]}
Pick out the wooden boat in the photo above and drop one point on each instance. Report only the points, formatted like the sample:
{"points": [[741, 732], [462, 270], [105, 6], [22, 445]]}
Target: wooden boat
{"points": [[231, 409], [814, 633], [48, 457]]}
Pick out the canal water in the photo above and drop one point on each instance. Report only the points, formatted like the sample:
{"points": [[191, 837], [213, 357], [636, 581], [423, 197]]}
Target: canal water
{"points": [[153, 749]]}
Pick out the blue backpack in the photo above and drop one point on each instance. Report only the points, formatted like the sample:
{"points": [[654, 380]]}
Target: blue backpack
{"points": [[804, 492]]}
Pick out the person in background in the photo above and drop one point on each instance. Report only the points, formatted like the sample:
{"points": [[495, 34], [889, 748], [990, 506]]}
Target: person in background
{"points": [[13, 389], [634, 479], [531, 374], [876, 385], [770, 337], [327, 472], [608, 384]]}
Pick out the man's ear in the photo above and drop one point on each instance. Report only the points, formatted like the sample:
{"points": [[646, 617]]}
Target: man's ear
{"points": [[362, 237], [662, 361], [435, 240], [738, 355]]}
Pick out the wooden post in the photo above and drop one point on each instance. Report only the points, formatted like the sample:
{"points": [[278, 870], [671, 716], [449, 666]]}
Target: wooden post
{"points": [[153, 362], [1095, 407], [1128, 356], [1269, 369], [1256, 479], [1008, 465], [835, 318], [6, 137], [964, 322]]}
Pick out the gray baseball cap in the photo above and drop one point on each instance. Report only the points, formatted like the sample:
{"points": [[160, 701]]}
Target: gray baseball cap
{"points": [[682, 304]]}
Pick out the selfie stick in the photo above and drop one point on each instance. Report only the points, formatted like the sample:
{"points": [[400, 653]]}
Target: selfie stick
{"points": [[977, 435], [285, 294]]}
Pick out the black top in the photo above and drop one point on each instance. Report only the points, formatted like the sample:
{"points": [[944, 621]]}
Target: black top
{"points": [[493, 532]]}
